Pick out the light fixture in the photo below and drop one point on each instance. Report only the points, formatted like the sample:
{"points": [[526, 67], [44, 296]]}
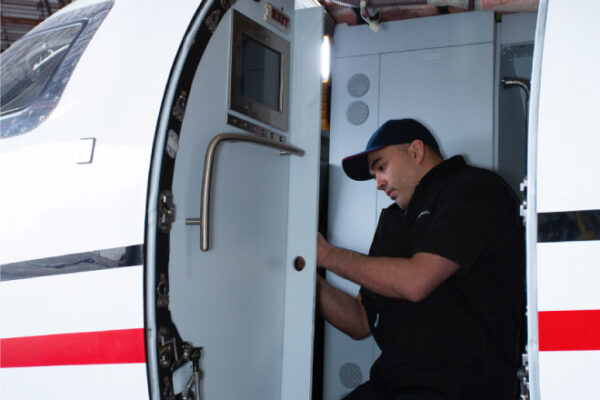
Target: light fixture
{"points": [[325, 59]]}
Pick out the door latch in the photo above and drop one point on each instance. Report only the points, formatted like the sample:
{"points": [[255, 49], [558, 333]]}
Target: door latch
{"points": [[166, 211]]}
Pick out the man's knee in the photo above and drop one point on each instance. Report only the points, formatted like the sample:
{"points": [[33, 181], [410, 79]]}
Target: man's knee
{"points": [[369, 391], [366, 391]]}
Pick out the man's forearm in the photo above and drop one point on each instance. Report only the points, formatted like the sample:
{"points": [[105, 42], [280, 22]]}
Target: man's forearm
{"points": [[384, 275], [411, 278], [342, 310]]}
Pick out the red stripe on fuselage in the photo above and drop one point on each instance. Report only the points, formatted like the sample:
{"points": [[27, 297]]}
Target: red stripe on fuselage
{"points": [[569, 330], [106, 347]]}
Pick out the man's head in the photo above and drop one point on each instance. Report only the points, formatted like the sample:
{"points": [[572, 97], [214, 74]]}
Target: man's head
{"points": [[398, 155]]}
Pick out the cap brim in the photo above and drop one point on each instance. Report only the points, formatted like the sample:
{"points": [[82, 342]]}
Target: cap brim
{"points": [[357, 165]]}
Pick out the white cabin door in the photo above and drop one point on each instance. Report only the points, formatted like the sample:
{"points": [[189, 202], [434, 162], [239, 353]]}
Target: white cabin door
{"points": [[240, 297], [563, 207]]}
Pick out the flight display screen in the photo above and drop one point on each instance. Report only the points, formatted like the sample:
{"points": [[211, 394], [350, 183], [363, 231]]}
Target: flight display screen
{"points": [[260, 73]]}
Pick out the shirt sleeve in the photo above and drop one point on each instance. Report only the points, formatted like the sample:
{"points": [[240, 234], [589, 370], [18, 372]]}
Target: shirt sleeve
{"points": [[464, 222]]}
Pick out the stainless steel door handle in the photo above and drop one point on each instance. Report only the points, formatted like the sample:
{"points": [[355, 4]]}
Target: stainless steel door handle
{"points": [[203, 221]]}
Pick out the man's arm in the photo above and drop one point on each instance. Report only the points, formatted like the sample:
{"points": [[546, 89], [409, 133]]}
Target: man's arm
{"points": [[405, 278], [342, 310]]}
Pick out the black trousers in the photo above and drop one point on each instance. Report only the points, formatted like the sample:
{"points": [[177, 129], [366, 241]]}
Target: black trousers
{"points": [[369, 391]]}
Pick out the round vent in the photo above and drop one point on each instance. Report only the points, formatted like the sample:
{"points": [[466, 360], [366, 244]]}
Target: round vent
{"points": [[357, 113], [350, 375], [358, 85]]}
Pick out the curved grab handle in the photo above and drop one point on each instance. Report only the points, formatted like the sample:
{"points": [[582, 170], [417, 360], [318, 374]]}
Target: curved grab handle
{"points": [[203, 221]]}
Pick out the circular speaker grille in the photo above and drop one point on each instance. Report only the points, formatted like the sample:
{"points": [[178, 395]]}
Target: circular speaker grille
{"points": [[350, 375], [357, 113], [358, 85]]}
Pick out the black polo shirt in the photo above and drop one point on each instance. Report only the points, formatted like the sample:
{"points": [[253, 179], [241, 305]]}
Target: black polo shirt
{"points": [[462, 341]]}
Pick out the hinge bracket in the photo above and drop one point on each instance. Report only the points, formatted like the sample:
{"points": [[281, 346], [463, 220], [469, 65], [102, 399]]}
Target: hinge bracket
{"points": [[166, 211], [523, 190], [523, 375]]}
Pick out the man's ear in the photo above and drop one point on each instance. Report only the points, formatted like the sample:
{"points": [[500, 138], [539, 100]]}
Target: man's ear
{"points": [[417, 150]]}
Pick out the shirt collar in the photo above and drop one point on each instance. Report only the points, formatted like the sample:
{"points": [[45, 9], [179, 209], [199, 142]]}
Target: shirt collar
{"points": [[431, 180]]}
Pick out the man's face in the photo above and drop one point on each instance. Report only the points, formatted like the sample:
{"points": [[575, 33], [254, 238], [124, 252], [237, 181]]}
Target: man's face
{"points": [[395, 172]]}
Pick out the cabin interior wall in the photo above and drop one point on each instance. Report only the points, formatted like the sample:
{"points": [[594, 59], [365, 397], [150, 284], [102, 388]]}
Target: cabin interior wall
{"points": [[515, 41], [515, 62]]}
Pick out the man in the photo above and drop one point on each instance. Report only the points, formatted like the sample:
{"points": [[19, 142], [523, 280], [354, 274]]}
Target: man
{"points": [[443, 285]]}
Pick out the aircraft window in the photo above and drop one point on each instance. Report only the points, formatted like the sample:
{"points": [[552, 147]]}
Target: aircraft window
{"points": [[36, 68], [28, 65]]}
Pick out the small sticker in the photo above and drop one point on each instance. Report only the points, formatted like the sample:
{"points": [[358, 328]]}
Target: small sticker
{"points": [[172, 143], [277, 18], [429, 57]]}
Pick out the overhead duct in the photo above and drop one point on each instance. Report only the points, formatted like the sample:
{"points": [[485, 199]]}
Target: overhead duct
{"points": [[495, 5]]}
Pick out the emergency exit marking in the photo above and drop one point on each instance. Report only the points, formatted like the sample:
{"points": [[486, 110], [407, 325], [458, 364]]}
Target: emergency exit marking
{"points": [[277, 18]]}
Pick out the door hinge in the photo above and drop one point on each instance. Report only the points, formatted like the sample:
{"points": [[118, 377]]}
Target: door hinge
{"points": [[523, 375], [162, 292], [166, 211], [173, 354], [523, 207]]}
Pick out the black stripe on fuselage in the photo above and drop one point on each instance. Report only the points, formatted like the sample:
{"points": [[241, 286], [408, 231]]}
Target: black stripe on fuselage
{"points": [[569, 226], [71, 263]]}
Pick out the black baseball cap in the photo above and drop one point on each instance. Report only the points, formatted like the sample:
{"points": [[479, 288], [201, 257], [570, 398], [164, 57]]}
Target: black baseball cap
{"points": [[394, 131]]}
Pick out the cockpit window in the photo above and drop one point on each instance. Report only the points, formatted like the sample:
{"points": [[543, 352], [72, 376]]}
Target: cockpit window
{"points": [[28, 65], [36, 68]]}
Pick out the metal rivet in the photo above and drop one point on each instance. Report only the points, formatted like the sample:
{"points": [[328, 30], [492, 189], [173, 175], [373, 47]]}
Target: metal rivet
{"points": [[299, 263]]}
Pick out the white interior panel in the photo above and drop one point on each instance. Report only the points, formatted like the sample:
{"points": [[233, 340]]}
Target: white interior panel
{"points": [[230, 299], [450, 90], [348, 197], [352, 212], [347, 362], [517, 28]]}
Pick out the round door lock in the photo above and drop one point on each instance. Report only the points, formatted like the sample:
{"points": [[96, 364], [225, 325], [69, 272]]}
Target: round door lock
{"points": [[299, 263]]}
